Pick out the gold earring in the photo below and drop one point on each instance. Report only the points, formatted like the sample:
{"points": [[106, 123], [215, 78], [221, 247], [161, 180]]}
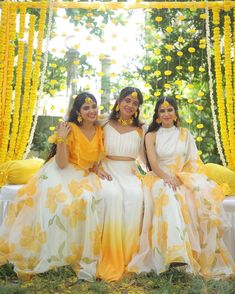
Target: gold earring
{"points": [[79, 118], [175, 119], [136, 114], [158, 120], [117, 108]]}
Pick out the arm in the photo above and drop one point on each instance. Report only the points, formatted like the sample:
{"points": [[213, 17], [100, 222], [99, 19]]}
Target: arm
{"points": [[62, 152], [171, 181]]}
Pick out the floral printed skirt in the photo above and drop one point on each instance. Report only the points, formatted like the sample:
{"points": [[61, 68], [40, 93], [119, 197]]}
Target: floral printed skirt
{"points": [[54, 222]]}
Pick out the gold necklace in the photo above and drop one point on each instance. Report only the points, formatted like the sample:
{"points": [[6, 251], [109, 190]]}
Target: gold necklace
{"points": [[125, 122]]}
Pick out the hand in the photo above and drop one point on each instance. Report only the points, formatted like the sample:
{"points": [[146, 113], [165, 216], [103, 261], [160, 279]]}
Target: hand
{"points": [[172, 181], [63, 130], [103, 174]]}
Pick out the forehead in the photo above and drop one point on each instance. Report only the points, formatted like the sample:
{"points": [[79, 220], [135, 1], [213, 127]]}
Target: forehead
{"points": [[164, 107], [134, 99], [89, 104]]}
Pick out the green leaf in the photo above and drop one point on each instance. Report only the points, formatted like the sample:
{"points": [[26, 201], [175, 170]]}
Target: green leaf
{"points": [[61, 248], [87, 260], [53, 258], [43, 177], [59, 224], [51, 221], [93, 204]]}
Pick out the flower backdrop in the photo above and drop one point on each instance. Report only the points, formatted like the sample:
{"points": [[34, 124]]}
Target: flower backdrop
{"points": [[187, 52]]}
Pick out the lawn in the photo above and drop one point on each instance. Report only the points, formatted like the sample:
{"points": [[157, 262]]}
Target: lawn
{"points": [[63, 280]]}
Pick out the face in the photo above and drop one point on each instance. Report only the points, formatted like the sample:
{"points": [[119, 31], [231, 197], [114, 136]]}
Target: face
{"points": [[128, 106], [167, 115], [89, 111]]}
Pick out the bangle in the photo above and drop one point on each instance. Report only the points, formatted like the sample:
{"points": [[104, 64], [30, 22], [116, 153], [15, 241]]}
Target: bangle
{"points": [[60, 140]]}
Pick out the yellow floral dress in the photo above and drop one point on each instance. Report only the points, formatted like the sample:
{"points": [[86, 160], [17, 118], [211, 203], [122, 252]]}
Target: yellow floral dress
{"points": [[186, 225], [54, 221]]}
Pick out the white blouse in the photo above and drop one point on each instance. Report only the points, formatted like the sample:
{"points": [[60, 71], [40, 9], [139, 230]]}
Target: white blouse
{"points": [[126, 144]]}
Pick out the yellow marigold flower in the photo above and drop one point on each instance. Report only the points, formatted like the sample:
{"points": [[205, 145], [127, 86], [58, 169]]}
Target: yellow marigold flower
{"points": [[181, 17], [158, 19], [52, 92], [200, 126], [179, 67], [101, 107], [200, 107], [201, 69], [62, 87], [60, 120], [199, 152], [202, 41], [62, 111], [167, 86], [147, 85], [87, 71], [192, 31], [181, 40], [88, 54], [191, 49], [202, 46], [112, 90], [89, 14], [169, 47], [179, 82], [147, 67], [189, 121], [199, 139], [190, 101], [157, 73], [203, 16], [200, 93], [147, 46], [76, 62], [51, 128], [157, 36], [53, 65], [157, 94], [190, 86], [178, 96], [77, 17], [62, 68], [52, 107], [76, 46], [53, 82], [74, 81], [113, 75], [167, 72], [180, 53], [157, 51], [191, 68], [100, 74], [101, 91], [169, 29], [168, 58], [148, 27]]}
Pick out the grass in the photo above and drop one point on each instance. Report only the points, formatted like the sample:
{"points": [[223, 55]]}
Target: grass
{"points": [[63, 280]]}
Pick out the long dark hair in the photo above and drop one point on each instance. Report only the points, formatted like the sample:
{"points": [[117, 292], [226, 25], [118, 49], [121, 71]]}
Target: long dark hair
{"points": [[77, 104], [124, 93], [154, 125]]}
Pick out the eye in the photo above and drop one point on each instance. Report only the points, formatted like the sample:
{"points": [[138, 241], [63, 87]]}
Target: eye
{"points": [[135, 103], [162, 110], [85, 107], [170, 110], [127, 100], [94, 106]]}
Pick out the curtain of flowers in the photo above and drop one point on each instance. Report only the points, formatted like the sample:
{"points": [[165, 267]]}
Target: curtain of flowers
{"points": [[20, 66]]}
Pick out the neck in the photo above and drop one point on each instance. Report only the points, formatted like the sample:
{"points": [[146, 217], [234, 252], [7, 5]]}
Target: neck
{"points": [[167, 126], [87, 125]]}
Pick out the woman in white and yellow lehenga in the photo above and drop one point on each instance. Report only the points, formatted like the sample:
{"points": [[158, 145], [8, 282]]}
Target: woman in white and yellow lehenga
{"points": [[122, 191], [183, 218], [54, 221]]}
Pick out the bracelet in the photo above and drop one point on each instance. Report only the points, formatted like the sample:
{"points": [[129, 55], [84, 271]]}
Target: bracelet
{"points": [[60, 140]]}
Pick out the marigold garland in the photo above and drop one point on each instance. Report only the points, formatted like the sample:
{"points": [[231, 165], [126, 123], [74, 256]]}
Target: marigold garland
{"points": [[219, 87], [7, 106], [228, 86], [27, 85], [35, 78], [15, 124], [214, 120]]}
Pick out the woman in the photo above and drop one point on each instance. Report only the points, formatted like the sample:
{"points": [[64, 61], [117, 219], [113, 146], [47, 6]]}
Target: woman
{"points": [[121, 189], [54, 221], [183, 218]]}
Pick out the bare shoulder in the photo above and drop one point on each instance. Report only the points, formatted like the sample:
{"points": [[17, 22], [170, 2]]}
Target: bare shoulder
{"points": [[150, 137]]}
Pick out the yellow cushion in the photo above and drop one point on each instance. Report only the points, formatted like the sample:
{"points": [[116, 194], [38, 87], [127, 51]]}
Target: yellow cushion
{"points": [[223, 176], [19, 171]]}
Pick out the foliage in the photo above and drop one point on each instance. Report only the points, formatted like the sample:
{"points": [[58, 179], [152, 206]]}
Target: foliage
{"points": [[63, 280]]}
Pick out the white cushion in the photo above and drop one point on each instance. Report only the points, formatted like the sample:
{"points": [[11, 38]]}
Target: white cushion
{"points": [[9, 192]]}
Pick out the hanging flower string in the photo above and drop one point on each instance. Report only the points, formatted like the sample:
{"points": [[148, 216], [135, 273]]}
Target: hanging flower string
{"points": [[27, 84], [43, 74], [214, 120], [20, 61], [7, 105], [219, 87], [228, 86]]}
